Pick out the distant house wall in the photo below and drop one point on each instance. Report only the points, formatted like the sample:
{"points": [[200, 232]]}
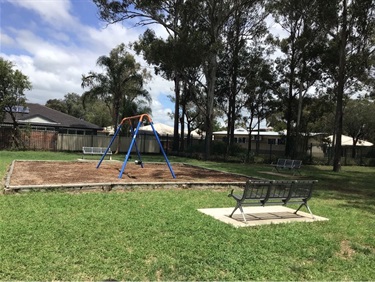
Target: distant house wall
{"points": [[264, 142]]}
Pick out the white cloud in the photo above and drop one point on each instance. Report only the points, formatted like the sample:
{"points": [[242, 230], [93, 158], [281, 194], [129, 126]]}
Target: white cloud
{"points": [[5, 39], [55, 13], [56, 49]]}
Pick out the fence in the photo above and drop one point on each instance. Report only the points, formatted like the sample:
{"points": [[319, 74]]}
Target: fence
{"points": [[53, 141], [71, 142]]}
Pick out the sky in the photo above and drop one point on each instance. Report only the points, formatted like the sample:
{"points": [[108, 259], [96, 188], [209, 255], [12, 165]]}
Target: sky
{"points": [[55, 42]]}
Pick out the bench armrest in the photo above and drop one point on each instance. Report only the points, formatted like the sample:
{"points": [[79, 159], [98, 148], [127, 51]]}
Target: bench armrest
{"points": [[231, 193]]}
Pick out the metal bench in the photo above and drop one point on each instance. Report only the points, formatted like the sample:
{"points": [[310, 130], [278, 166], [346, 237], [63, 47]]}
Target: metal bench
{"points": [[96, 151], [274, 192], [292, 165]]}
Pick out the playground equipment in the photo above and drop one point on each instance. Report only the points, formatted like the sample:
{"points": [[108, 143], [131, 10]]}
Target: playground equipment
{"points": [[133, 142]]}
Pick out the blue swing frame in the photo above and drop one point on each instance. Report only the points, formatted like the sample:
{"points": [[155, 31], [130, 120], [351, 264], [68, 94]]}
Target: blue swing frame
{"points": [[133, 142]]}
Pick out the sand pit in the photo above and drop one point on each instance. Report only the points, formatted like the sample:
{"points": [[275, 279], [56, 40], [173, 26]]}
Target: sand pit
{"points": [[26, 175]]}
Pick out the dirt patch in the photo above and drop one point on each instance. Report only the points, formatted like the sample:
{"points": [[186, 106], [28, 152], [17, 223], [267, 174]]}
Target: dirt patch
{"points": [[346, 251], [58, 172]]}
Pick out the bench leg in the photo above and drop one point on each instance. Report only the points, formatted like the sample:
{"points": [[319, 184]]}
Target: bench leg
{"points": [[243, 214], [308, 208], [234, 210], [238, 207]]}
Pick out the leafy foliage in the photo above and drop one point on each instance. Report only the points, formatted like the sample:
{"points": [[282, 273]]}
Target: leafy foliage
{"points": [[120, 85], [13, 84]]}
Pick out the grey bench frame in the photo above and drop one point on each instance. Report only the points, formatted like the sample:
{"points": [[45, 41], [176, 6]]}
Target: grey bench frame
{"points": [[292, 165], [96, 151], [274, 192]]}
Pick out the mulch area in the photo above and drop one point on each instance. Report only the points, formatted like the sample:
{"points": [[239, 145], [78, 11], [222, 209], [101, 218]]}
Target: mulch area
{"points": [[63, 172]]}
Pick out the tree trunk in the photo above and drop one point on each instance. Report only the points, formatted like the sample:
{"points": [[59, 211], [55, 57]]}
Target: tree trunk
{"points": [[211, 81], [289, 137], [234, 74], [176, 138], [249, 144], [340, 90]]}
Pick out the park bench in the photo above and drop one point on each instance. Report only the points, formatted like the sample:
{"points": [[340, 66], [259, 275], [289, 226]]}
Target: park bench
{"points": [[287, 164], [274, 192], [96, 151]]}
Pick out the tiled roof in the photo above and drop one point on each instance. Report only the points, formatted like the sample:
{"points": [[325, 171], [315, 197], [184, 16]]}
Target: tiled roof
{"points": [[42, 115]]}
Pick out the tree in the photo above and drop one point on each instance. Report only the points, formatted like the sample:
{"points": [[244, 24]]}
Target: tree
{"points": [[57, 104], [358, 121], [120, 84], [299, 66], [173, 59], [210, 17], [13, 84], [352, 41], [348, 58], [259, 89], [93, 110], [243, 26], [71, 105]]}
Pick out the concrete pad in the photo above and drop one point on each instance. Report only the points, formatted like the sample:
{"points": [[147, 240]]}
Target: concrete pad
{"points": [[260, 215]]}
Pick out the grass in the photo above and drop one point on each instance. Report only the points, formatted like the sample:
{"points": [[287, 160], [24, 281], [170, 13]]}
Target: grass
{"points": [[160, 235]]}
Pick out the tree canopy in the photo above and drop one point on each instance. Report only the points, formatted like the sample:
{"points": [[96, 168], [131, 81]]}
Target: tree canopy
{"points": [[119, 86], [326, 55]]}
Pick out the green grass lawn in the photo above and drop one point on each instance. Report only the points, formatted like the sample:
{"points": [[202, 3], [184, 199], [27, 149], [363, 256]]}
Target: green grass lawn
{"points": [[160, 235]]}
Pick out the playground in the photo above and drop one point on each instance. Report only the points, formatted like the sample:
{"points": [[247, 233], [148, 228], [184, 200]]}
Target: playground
{"points": [[106, 175], [30, 174]]}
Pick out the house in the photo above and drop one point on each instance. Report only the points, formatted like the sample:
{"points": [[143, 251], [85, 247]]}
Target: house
{"points": [[164, 130], [264, 139], [42, 118], [40, 127]]}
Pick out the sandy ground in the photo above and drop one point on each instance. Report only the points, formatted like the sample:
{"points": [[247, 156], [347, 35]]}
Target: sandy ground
{"points": [[54, 172]]}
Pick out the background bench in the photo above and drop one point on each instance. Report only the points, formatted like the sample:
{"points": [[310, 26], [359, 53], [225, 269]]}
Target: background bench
{"points": [[96, 151], [275, 192], [286, 164]]}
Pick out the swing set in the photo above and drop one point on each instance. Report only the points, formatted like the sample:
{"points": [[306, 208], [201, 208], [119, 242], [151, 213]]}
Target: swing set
{"points": [[130, 120]]}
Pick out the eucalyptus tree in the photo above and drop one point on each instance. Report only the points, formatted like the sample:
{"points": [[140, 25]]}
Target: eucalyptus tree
{"points": [[299, 65], [260, 85], [166, 13], [243, 27], [120, 83], [13, 84], [174, 60], [358, 121], [350, 57], [210, 16]]}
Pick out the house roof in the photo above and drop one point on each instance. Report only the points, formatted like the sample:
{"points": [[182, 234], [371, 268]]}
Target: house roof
{"points": [[348, 141], [163, 129], [37, 114]]}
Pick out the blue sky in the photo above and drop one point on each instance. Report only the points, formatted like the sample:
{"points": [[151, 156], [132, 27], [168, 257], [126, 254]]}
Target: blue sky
{"points": [[54, 42]]}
